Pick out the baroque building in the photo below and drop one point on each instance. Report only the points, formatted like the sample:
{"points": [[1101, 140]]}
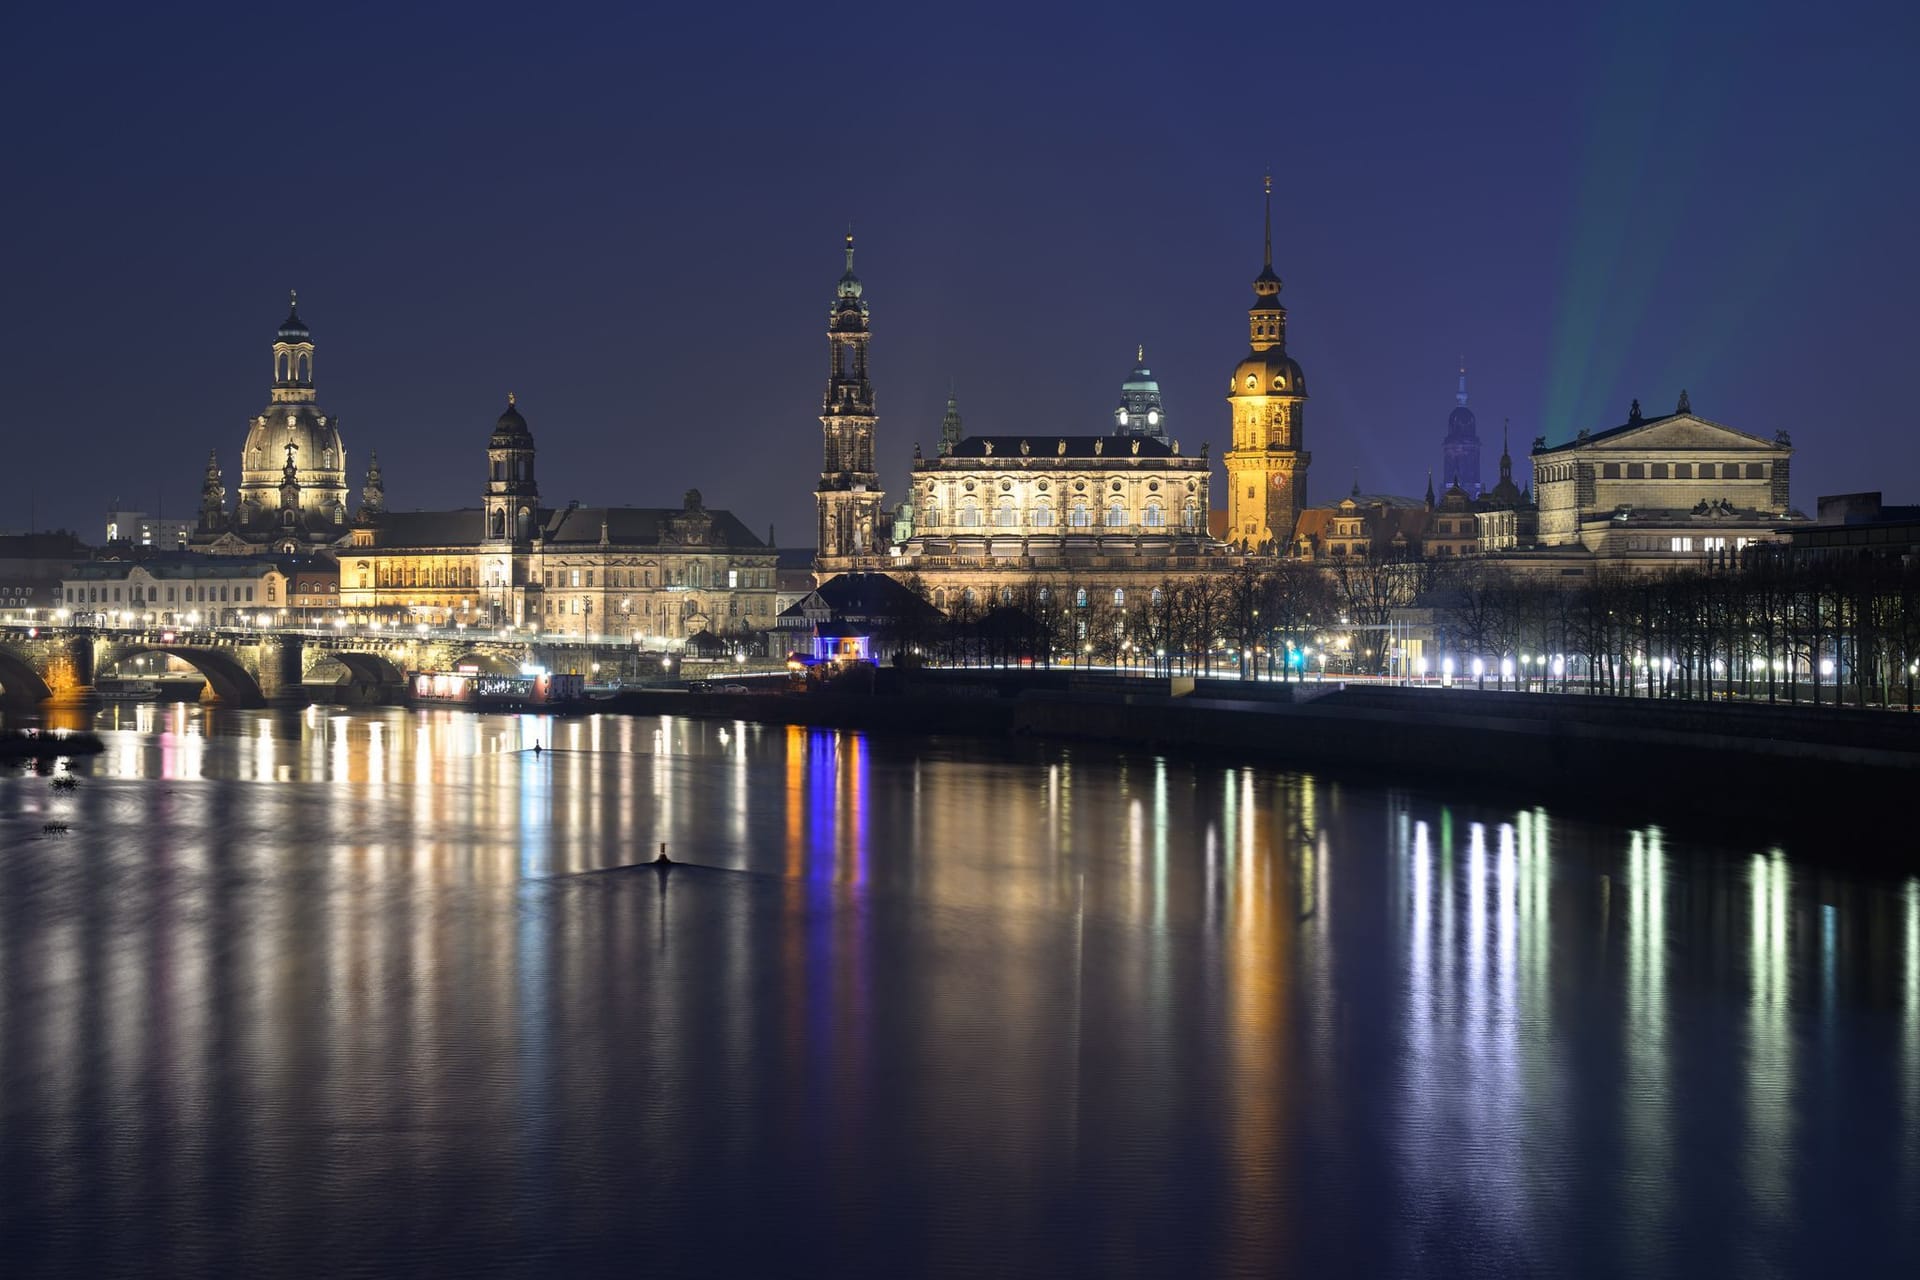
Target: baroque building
{"points": [[293, 465], [1460, 452], [646, 575], [849, 498], [1267, 462]]}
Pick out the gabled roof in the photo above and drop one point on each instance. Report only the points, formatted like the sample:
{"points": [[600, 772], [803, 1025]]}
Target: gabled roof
{"points": [[1666, 424]]}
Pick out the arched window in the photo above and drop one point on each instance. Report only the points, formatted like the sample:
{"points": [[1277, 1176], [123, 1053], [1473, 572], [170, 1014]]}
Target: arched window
{"points": [[1119, 597], [968, 596], [1154, 519], [326, 459], [969, 515], [526, 522], [1080, 519], [1156, 597], [1116, 515], [1004, 516], [1193, 515], [1080, 598], [940, 598], [1043, 515], [499, 529]]}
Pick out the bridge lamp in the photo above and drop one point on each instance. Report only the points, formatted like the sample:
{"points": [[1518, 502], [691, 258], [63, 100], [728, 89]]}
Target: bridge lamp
{"points": [[1826, 666], [1559, 665], [1420, 667], [1506, 668], [1479, 668], [666, 664]]}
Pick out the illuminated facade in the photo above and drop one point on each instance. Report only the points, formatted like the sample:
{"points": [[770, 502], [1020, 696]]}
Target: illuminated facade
{"points": [[849, 498], [1656, 489], [1267, 463], [293, 466], [643, 574]]}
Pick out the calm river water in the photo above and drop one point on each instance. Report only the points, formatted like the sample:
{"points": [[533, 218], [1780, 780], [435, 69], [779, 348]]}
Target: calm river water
{"points": [[382, 993]]}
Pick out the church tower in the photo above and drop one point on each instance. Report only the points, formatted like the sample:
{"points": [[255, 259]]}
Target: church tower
{"points": [[1266, 463], [512, 503], [849, 497]]}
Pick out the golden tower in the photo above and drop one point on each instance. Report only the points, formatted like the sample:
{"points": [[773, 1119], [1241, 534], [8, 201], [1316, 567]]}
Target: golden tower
{"points": [[1266, 463]]}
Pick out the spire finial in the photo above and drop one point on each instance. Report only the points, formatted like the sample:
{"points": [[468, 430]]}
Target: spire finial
{"points": [[293, 299], [1269, 226], [849, 248], [1504, 424], [510, 400], [1460, 396], [1140, 356]]}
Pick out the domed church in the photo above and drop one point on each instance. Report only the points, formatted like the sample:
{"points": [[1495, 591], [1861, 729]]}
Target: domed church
{"points": [[293, 465]]}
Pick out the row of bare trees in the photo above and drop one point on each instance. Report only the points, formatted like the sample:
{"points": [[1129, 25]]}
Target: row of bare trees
{"points": [[1774, 625]]}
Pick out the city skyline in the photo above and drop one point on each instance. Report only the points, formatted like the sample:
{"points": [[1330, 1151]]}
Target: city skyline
{"points": [[1568, 246]]}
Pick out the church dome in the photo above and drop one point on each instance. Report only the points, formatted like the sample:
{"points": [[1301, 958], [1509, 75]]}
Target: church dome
{"points": [[510, 429], [1269, 373], [1462, 425], [293, 328]]}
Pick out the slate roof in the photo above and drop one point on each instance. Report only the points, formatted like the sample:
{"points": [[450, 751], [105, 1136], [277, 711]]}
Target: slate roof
{"points": [[562, 526]]}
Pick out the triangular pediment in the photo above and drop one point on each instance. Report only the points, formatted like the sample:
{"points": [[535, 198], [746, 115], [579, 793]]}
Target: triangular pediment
{"points": [[1678, 431]]}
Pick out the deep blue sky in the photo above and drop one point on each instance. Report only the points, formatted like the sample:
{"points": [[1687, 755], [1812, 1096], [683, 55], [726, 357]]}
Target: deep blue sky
{"points": [[631, 216]]}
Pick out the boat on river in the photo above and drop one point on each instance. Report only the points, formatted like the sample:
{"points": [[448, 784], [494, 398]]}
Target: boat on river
{"points": [[482, 691]]}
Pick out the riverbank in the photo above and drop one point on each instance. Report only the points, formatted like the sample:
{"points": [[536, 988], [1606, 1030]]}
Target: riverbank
{"points": [[1753, 764]]}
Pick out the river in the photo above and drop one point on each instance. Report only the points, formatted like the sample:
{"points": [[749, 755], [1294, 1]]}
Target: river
{"points": [[385, 992]]}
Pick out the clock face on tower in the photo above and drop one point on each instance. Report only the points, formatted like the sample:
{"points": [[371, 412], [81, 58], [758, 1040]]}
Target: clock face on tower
{"points": [[1280, 481]]}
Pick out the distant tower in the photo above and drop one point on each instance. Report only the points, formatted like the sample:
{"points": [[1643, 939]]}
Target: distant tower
{"points": [[849, 497], [950, 425], [1140, 412], [1267, 463], [512, 503], [373, 498], [213, 497], [1506, 493], [1460, 455]]}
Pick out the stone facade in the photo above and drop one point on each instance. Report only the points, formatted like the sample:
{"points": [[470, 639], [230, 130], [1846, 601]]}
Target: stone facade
{"points": [[849, 498], [1267, 462], [649, 575], [1654, 488], [180, 589]]}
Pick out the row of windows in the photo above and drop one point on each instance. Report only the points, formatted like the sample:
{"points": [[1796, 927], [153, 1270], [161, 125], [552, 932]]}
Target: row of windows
{"points": [[192, 595], [1005, 516], [1080, 597], [395, 575], [1683, 470]]}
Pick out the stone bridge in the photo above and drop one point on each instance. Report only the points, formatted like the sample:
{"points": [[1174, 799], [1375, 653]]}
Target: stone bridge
{"points": [[245, 668]]}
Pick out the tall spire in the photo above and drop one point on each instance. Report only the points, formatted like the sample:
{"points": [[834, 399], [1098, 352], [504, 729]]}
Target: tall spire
{"points": [[1460, 396], [1269, 252], [950, 424]]}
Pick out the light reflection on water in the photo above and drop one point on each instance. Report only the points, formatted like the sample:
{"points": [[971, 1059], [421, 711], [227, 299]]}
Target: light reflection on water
{"points": [[326, 990]]}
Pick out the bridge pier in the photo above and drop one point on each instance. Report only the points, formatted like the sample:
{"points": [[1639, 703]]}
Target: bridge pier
{"points": [[281, 668]]}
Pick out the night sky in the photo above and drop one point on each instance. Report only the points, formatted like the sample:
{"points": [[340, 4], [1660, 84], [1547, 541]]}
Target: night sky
{"points": [[631, 217]]}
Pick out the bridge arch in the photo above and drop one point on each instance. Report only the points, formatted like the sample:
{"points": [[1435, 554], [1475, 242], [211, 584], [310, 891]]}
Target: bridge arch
{"points": [[227, 680], [20, 684], [368, 668]]}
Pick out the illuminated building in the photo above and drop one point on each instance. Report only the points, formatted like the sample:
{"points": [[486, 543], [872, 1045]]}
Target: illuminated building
{"points": [[1267, 463], [849, 496], [658, 574], [293, 465], [1657, 491], [176, 589]]}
